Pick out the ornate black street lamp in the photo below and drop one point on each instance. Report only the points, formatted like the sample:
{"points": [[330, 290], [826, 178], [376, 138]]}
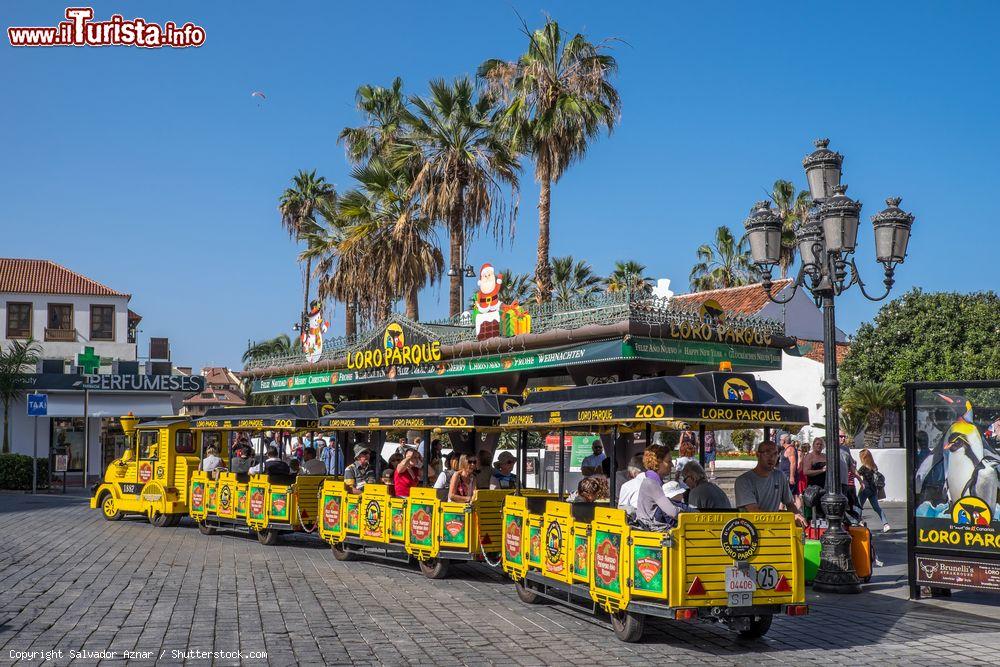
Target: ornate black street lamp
{"points": [[826, 241]]}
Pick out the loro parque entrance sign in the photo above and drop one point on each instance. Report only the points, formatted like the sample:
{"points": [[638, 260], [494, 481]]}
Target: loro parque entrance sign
{"points": [[610, 337]]}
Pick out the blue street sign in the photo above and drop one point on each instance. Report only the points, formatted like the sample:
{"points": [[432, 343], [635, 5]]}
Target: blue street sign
{"points": [[38, 405]]}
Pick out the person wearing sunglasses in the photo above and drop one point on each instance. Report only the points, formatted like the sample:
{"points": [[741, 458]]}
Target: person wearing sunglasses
{"points": [[704, 495]]}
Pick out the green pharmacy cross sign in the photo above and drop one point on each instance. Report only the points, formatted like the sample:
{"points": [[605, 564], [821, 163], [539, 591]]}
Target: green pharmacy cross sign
{"points": [[88, 361]]}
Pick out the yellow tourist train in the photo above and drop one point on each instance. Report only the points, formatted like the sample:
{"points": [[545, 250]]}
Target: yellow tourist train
{"points": [[739, 568], [151, 477], [425, 526], [267, 504]]}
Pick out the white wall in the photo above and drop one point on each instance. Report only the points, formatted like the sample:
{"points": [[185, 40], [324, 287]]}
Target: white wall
{"points": [[800, 382], [119, 349]]}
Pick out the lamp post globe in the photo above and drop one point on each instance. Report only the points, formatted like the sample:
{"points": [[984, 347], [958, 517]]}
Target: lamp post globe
{"points": [[841, 216], [823, 168], [892, 232], [764, 232], [809, 239]]}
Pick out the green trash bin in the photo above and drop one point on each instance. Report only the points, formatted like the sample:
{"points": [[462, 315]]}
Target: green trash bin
{"points": [[811, 552]]}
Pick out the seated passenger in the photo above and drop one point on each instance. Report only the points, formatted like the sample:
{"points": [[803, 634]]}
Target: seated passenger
{"points": [[360, 472], [653, 510], [212, 460], [704, 495], [443, 480], [272, 464], [484, 469], [407, 473], [765, 488], [294, 467], [588, 490], [387, 476], [591, 465], [242, 461], [689, 452], [675, 491], [463, 482], [629, 493], [310, 464], [503, 472]]}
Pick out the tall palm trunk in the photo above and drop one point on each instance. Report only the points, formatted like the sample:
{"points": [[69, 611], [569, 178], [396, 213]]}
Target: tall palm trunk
{"points": [[305, 298], [456, 238], [350, 318], [412, 306], [543, 272]]}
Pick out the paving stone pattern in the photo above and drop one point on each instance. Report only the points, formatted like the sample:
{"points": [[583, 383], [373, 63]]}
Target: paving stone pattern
{"points": [[71, 581]]}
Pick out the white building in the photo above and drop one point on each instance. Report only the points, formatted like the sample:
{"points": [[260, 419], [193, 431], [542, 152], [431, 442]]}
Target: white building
{"points": [[87, 337]]}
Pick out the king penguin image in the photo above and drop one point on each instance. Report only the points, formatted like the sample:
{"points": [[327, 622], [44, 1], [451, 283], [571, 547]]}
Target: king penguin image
{"points": [[971, 465]]}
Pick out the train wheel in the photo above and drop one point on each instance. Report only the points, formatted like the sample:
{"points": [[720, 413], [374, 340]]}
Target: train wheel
{"points": [[205, 529], [160, 520], [757, 627], [527, 595], [109, 508], [175, 520], [628, 626], [267, 536], [341, 552], [435, 568]]}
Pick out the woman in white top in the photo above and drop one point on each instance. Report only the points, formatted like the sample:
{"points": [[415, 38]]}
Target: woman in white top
{"points": [[450, 466], [211, 460]]}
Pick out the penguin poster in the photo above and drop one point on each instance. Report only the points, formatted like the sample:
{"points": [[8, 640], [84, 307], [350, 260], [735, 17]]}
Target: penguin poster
{"points": [[956, 483]]}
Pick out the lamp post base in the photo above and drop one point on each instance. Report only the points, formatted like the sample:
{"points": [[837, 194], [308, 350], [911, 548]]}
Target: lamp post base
{"points": [[836, 568]]}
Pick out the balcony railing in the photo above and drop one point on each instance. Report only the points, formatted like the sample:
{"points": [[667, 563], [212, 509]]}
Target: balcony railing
{"points": [[60, 335], [597, 309]]}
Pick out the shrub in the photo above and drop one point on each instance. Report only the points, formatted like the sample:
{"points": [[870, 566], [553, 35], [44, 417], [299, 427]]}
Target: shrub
{"points": [[15, 472], [745, 439]]}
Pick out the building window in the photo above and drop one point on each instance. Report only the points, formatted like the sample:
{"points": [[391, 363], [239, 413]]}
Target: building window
{"points": [[18, 320], [102, 323], [60, 326]]}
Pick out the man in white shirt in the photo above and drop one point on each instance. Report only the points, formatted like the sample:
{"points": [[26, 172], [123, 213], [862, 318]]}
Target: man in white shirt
{"points": [[592, 464], [630, 489]]}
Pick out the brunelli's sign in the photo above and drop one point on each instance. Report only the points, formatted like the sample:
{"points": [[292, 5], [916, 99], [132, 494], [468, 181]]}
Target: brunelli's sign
{"points": [[953, 443]]}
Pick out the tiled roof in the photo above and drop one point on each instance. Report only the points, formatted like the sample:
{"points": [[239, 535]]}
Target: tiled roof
{"points": [[40, 276], [746, 300], [814, 350], [218, 397]]}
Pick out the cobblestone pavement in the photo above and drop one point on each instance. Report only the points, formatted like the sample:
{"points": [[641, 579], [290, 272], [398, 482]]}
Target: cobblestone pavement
{"points": [[73, 582]]}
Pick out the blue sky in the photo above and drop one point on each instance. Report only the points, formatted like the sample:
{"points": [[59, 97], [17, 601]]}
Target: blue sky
{"points": [[155, 172]]}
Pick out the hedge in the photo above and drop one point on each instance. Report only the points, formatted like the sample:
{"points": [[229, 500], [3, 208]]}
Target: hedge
{"points": [[15, 472]]}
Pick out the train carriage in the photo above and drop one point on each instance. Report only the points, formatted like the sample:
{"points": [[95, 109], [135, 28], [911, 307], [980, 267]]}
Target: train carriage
{"points": [[267, 504], [425, 526], [739, 568]]}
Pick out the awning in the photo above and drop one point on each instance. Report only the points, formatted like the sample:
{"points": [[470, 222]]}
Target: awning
{"points": [[111, 405], [452, 412], [260, 417], [716, 400]]}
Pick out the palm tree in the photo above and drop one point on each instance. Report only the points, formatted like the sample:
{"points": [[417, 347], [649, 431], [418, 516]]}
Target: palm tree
{"points": [[873, 400], [558, 98], [724, 263], [298, 207], [573, 280], [628, 275], [516, 287], [383, 108], [384, 217], [792, 209], [19, 357], [339, 276], [460, 165], [279, 346]]}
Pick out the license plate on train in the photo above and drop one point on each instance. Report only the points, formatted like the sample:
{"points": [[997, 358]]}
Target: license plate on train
{"points": [[741, 582]]}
